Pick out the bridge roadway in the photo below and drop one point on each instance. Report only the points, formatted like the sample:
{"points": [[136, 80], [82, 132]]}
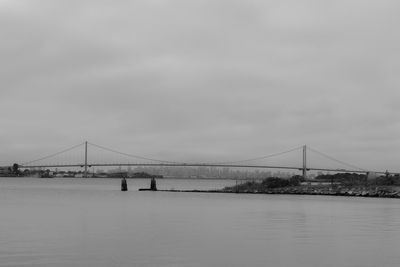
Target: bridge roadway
{"points": [[197, 165]]}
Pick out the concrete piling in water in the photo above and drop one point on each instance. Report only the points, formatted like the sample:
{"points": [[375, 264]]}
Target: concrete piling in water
{"points": [[153, 185], [124, 185]]}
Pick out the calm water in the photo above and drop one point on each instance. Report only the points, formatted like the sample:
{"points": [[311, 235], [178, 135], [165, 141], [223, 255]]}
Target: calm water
{"points": [[78, 222]]}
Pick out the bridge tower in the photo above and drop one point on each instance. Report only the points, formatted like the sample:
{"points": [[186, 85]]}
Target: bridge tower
{"points": [[86, 165], [305, 162]]}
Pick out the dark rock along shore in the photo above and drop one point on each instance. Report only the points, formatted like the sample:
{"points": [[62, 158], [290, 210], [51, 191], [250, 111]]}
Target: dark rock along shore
{"points": [[380, 192], [357, 191]]}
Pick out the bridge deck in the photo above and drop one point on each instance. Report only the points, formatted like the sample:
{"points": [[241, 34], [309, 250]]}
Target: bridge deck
{"points": [[195, 165]]}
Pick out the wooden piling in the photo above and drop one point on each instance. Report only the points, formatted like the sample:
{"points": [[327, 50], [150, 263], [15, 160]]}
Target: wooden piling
{"points": [[124, 185], [153, 185]]}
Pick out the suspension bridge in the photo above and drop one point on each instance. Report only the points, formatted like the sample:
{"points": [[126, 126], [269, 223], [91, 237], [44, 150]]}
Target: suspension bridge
{"points": [[84, 161]]}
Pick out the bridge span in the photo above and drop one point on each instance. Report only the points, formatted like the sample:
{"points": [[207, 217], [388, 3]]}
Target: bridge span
{"points": [[198, 165], [162, 163]]}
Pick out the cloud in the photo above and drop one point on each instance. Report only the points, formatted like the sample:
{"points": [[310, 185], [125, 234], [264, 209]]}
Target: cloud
{"points": [[227, 79]]}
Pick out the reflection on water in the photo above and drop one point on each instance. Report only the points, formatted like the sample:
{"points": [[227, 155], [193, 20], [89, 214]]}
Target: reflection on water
{"points": [[78, 222]]}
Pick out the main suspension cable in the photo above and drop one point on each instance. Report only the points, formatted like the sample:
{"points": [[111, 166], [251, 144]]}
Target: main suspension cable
{"points": [[262, 157], [131, 155], [334, 159], [53, 155]]}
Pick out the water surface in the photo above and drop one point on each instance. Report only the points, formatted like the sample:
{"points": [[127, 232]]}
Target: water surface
{"points": [[90, 222]]}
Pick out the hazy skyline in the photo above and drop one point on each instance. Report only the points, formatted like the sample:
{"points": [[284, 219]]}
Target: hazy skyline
{"points": [[201, 80]]}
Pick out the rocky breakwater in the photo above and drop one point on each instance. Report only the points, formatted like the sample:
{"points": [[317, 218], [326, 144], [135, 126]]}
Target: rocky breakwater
{"points": [[329, 190]]}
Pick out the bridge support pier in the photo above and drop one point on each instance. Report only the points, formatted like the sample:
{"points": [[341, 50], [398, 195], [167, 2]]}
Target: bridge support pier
{"points": [[86, 166], [304, 162]]}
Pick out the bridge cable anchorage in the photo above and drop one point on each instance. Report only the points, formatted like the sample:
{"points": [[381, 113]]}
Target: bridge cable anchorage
{"points": [[338, 161], [262, 157], [133, 156], [53, 155]]}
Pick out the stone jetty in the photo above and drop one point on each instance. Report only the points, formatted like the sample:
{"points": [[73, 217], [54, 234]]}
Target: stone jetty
{"points": [[359, 191]]}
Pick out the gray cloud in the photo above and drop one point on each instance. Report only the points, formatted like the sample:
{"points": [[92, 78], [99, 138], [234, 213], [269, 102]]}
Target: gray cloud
{"points": [[201, 80]]}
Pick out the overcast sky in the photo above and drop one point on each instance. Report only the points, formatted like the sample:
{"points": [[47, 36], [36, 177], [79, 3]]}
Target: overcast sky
{"points": [[201, 80]]}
